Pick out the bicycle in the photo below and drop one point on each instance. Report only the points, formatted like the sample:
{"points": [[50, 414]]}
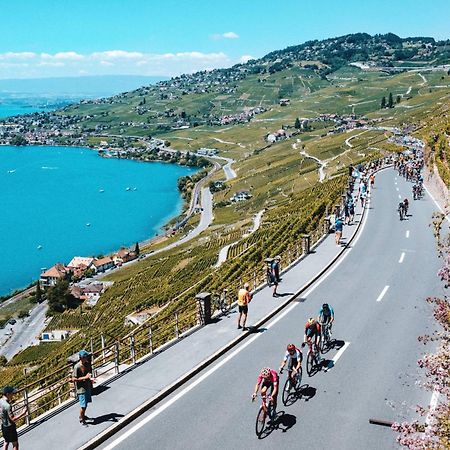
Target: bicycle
{"points": [[401, 211], [290, 385], [265, 411], [219, 302], [312, 360], [325, 336]]}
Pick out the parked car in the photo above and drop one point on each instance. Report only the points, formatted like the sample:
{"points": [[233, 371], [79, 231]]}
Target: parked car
{"points": [[12, 321]]}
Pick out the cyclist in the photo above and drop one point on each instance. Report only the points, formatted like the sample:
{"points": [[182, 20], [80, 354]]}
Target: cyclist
{"points": [[326, 316], [268, 378], [312, 330], [406, 205], [401, 210], [294, 359]]}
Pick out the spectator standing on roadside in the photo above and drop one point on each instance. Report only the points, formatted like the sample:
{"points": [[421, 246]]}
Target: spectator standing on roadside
{"points": [[275, 267], [338, 226], [82, 377], [244, 298], [9, 429]]}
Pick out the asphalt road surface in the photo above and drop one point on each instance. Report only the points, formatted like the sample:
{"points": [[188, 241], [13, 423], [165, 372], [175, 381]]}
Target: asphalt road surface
{"points": [[25, 332], [378, 291]]}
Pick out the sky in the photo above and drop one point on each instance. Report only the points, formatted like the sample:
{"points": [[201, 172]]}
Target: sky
{"points": [[53, 38]]}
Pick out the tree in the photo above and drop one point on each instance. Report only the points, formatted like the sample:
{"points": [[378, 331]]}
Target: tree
{"points": [[3, 361], [18, 140], [390, 101], [383, 103], [60, 298], [38, 293], [137, 250], [399, 98], [297, 123]]}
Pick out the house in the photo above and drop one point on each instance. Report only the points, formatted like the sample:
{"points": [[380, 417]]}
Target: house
{"points": [[52, 275], [207, 151], [241, 195], [284, 101], [103, 264], [277, 136], [79, 261], [57, 335], [122, 256], [137, 318]]}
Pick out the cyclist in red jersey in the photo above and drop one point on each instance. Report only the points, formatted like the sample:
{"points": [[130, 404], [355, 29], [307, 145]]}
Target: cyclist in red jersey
{"points": [[312, 330], [267, 378]]}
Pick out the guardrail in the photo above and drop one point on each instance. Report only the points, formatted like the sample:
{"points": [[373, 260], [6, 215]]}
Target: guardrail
{"points": [[110, 355]]}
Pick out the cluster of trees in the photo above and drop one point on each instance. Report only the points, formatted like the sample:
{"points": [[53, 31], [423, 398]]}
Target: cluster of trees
{"points": [[390, 101], [60, 299]]}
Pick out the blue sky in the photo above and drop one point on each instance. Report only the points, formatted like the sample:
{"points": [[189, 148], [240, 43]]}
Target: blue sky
{"points": [[42, 38]]}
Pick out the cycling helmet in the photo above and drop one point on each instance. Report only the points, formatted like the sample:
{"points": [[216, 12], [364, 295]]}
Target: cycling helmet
{"points": [[325, 306], [265, 373], [311, 320], [290, 347]]}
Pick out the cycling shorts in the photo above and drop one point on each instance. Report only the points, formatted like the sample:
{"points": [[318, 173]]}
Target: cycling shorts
{"points": [[243, 309]]}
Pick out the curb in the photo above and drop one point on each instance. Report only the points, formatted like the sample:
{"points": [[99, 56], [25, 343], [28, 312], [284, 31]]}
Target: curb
{"points": [[133, 415]]}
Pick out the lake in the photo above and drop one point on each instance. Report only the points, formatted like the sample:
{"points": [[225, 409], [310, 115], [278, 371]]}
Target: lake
{"points": [[59, 202]]}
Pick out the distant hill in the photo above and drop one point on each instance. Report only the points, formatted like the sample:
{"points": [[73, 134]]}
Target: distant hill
{"points": [[80, 87], [236, 94]]}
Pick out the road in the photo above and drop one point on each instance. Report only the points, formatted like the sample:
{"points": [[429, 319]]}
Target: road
{"points": [[25, 331], [378, 291]]}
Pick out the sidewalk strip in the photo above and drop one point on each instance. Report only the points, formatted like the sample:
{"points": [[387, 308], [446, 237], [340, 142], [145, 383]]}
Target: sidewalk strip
{"points": [[383, 293], [402, 257]]}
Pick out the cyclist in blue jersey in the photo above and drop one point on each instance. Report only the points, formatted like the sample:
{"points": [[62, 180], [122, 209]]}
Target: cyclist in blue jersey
{"points": [[326, 316]]}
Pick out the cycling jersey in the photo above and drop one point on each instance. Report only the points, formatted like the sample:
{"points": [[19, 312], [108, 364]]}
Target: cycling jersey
{"points": [[273, 378], [329, 313], [297, 355], [311, 330]]}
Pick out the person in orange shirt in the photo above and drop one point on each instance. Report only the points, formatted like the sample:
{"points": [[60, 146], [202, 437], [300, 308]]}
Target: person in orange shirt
{"points": [[244, 298]]}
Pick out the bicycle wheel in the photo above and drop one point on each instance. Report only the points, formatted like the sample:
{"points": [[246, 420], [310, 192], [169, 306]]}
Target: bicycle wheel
{"points": [[215, 303], [286, 391], [260, 422], [224, 305], [310, 363], [298, 378]]}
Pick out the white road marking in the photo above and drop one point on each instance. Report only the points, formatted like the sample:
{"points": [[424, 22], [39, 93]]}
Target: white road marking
{"points": [[333, 362], [407, 234], [397, 189], [187, 389], [437, 204], [399, 196], [433, 404], [402, 257], [382, 294]]}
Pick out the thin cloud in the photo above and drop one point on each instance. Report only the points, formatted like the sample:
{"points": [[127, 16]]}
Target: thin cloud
{"points": [[109, 62], [246, 58], [227, 35]]}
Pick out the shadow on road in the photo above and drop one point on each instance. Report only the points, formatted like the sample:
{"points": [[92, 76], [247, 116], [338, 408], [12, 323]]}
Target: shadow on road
{"points": [[285, 421], [111, 417], [307, 392], [285, 294]]}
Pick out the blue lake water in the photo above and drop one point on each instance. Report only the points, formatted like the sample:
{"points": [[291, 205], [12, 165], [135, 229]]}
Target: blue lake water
{"points": [[48, 195], [8, 110]]}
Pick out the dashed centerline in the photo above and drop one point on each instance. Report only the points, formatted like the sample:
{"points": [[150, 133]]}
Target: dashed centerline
{"points": [[402, 257], [407, 234], [399, 196], [382, 294]]}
